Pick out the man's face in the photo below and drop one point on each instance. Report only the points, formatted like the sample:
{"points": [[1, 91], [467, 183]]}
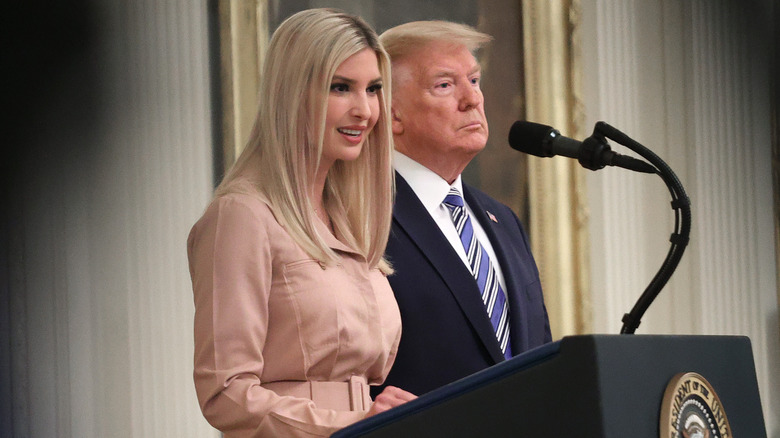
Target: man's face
{"points": [[438, 108]]}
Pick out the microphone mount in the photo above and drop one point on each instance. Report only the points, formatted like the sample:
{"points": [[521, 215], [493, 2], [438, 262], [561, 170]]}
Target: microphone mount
{"points": [[595, 154]]}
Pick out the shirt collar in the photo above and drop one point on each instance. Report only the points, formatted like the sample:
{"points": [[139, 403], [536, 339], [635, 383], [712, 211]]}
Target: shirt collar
{"points": [[427, 185], [333, 241]]}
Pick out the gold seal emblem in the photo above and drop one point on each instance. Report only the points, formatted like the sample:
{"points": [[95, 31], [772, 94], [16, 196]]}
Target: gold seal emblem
{"points": [[692, 409]]}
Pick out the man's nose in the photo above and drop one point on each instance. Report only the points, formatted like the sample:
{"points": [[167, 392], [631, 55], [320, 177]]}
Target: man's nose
{"points": [[471, 96]]}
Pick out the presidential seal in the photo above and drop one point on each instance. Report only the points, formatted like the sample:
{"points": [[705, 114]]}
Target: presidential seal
{"points": [[692, 409]]}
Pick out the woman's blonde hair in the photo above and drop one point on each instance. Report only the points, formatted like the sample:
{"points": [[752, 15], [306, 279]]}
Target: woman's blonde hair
{"points": [[285, 146]]}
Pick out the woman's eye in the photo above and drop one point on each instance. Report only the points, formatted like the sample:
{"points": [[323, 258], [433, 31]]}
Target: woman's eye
{"points": [[339, 88], [374, 88]]}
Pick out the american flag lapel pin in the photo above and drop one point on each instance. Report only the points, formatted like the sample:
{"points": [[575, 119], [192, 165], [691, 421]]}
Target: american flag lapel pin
{"points": [[491, 216]]}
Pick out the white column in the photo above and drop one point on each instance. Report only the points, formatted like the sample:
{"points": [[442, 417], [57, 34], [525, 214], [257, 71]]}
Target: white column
{"points": [[689, 80], [100, 305], [154, 181], [730, 123]]}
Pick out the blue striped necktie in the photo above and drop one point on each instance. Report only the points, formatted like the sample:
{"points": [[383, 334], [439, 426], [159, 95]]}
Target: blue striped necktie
{"points": [[482, 269]]}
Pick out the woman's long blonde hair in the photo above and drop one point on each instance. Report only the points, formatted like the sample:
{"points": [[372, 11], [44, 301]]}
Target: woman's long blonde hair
{"points": [[285, 145]]}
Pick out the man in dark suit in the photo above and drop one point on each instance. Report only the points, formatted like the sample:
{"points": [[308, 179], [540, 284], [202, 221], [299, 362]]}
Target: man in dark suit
{"points": [[465, 280]]}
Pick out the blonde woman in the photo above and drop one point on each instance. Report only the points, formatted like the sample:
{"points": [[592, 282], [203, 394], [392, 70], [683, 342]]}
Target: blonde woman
{"points": [[294, 317]]}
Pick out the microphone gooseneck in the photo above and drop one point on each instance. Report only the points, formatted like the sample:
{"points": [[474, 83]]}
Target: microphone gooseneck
{"points": [[593, 153]]}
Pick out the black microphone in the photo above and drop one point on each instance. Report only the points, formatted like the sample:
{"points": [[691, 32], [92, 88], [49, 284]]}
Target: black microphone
{"points": [[593, 153]]}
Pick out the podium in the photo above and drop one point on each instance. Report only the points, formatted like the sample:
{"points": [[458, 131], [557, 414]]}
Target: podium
{"points": [[585, 386]]}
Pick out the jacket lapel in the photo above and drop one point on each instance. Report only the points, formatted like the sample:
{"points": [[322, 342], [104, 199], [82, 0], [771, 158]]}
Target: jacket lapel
{"points": [[411, 216]]}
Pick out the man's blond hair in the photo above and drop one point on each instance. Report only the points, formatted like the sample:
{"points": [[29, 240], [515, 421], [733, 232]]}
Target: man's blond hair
{"points": [[404, 39]]}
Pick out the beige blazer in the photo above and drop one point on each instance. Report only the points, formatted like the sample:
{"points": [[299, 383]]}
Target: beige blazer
{"points": [[266, 313]]}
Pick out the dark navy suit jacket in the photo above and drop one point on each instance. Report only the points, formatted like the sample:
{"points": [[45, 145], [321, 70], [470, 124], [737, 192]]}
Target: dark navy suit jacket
{"points": [[446, 334]]}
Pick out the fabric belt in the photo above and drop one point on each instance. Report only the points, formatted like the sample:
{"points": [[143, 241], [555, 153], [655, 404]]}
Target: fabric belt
{"points": [[352, 395]]}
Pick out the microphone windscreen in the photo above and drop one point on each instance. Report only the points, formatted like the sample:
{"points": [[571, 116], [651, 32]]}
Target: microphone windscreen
{"points": [[530, 137]]}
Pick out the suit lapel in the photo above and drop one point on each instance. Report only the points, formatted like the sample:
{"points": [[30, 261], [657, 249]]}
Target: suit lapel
{"points": [[412, 217]]}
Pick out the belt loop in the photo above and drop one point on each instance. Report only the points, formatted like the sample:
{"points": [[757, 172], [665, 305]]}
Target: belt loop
{"points": [[359, 395], [310, 389]]}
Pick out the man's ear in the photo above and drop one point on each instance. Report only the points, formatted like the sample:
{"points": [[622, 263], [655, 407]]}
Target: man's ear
{"points": [[398, 125]]}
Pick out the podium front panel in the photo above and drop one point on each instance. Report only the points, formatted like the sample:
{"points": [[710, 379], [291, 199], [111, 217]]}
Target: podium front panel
{"points": [[588, 386]]}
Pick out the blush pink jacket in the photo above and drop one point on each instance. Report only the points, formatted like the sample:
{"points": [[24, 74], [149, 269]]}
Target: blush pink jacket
{"points": [[266, 312]]}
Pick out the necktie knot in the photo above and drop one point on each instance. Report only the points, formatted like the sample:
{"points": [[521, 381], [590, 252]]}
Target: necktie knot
{"points": [[453, 199]]}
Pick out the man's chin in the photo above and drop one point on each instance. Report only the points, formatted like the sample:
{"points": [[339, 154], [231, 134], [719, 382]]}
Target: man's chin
{"points": [[472, 147]]}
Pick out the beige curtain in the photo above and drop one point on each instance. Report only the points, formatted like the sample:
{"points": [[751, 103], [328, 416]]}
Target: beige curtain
{"points": [[559, 216], [243, 39]]}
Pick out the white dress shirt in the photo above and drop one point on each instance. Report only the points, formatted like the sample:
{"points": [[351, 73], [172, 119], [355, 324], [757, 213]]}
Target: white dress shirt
{"points": [[431, 189]]}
